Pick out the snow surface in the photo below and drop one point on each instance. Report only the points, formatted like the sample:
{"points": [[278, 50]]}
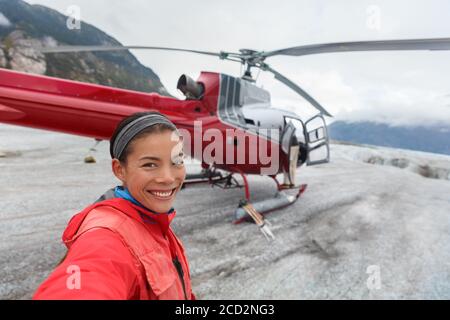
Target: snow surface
{"points": [[370, 206]]}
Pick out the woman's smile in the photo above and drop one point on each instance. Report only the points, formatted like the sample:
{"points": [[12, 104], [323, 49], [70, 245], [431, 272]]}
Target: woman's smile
{"points": [[163, 194]]}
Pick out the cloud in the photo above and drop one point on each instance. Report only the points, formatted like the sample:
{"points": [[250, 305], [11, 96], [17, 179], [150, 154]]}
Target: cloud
{"points": [[396, 87], [327, 87], [402, 107], [4, 22], [395, 103]]}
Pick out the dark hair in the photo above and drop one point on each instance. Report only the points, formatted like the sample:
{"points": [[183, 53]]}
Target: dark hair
{"points": [[157, 128]]}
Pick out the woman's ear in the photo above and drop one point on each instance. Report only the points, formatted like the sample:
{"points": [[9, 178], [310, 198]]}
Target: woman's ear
{"points": [[118, 170]]}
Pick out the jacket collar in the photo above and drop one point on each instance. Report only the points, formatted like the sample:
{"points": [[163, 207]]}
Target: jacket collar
{"points": [[126, 200], [150, 217]]}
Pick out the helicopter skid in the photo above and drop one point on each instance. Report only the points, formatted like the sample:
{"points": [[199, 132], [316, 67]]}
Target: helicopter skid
{"points": [[281, 200], [202, 177]]}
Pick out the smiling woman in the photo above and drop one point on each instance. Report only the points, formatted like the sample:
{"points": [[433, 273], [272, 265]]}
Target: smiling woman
{"points": [[148, 161], [122, 246]]}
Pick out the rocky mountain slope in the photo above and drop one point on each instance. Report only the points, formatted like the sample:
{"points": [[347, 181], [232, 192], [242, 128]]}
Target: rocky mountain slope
{"points": [[24, 27]]}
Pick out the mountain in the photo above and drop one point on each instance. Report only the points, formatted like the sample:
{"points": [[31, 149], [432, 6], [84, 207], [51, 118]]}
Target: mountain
{"points": [[429, 139], [23, 27]]}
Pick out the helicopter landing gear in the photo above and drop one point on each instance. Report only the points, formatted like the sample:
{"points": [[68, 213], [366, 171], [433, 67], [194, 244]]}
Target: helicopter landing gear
{"points": [[279, 201], [247, 210], [213, 177]]}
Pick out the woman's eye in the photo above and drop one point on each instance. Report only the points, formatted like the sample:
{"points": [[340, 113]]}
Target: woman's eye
{"points": [[149, 165]]}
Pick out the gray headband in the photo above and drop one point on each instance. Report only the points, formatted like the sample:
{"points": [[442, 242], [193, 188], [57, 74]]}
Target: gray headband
{"points": [[134, 127]]}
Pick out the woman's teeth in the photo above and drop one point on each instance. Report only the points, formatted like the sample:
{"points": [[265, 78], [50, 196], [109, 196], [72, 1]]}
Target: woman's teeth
{"points": [[161, 194]]}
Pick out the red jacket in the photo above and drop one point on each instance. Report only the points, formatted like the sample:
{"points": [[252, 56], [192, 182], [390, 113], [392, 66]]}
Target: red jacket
{"points": [[118, 250]]}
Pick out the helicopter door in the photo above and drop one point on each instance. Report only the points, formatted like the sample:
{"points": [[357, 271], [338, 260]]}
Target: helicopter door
{"points": [[290, 150], [286, 138], [317, 141]]}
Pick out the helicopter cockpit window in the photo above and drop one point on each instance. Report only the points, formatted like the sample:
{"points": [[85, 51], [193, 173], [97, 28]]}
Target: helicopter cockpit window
{"points": [[249, 121]]}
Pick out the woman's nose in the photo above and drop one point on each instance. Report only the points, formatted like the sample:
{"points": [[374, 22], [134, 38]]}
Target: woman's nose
{"points": [[166, 176]]}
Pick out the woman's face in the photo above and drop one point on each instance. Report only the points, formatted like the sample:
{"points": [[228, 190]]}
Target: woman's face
{"points": [[154, 170]]}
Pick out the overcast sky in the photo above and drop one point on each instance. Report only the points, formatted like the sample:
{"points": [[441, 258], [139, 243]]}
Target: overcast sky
{"points": [[395, 87]]}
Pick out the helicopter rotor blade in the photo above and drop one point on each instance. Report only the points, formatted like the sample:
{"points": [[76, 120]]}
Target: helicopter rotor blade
{"points": [[296, 88], [383, 45], [67, 49]]}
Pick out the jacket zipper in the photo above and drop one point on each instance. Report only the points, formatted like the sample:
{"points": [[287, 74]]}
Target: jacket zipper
{"points": [[177, 264]]}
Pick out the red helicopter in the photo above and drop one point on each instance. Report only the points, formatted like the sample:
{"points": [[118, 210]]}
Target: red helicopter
{"points": [[250, 136]]}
